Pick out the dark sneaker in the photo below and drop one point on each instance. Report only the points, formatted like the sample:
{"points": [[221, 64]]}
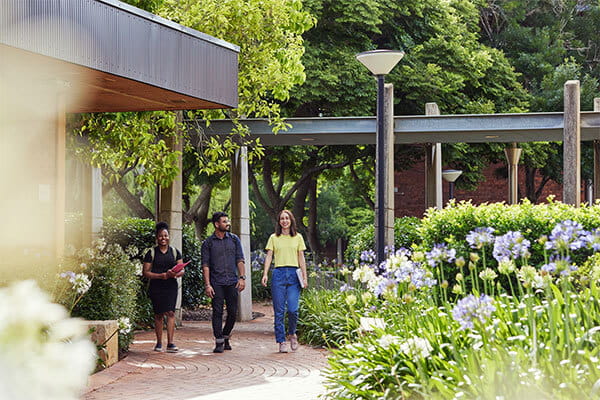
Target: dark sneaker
{"points": [[219, 347], [226, 345], [158, 347], [171, 348]]}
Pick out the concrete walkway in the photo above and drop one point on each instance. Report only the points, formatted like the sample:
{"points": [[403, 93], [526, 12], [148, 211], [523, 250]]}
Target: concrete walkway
{"points": [[253, 370]]}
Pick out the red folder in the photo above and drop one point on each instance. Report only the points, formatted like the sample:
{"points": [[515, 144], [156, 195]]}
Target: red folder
{"points": [[179, 267]]}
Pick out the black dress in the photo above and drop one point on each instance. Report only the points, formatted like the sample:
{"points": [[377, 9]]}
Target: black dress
{"points": [[162, 292]]}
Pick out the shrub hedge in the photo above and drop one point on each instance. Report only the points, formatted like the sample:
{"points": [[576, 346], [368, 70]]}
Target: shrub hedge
{"points": [[405, 234]]}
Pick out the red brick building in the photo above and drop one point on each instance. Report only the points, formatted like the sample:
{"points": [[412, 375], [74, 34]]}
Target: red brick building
{"points": [[409, 188]]}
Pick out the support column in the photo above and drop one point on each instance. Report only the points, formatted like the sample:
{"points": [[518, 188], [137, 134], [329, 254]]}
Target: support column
{"points": [[59, 193], [170, 209], [513, 154], [240, 224], [92, 204], [596, 184], [571, 145], [388, 169], [433, 167]]}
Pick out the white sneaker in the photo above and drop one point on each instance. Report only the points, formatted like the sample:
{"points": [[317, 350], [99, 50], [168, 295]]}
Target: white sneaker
{"points": [[283, 347], [293, 342]]}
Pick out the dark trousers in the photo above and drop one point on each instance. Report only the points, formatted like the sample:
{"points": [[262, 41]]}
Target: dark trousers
{"points": [[229, 295]]}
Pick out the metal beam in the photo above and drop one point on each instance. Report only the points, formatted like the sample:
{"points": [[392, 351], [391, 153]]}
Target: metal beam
{"points": [[504, 128]]}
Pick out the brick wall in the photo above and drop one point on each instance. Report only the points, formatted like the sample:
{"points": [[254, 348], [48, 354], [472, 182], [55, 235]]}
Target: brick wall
{"points": [[409, 190]]}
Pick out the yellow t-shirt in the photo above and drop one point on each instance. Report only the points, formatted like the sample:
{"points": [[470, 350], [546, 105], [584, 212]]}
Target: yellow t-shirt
{"points": [[285, 249]]}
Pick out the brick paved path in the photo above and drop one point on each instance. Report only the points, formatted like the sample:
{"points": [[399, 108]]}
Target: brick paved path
{"points": [[253, 370]]}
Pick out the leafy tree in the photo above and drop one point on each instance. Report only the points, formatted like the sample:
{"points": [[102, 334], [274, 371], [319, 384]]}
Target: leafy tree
{"points": [[268, 33], [548, 43]]}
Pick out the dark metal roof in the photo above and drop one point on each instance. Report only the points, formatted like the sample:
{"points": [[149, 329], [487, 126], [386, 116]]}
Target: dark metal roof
{"points": [[126, 51], [531, 127]]}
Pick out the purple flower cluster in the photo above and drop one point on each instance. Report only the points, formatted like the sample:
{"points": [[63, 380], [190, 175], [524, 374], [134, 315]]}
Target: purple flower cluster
{"points": [[440, 254], [414, 274], [368, 256], [510, 246], [470, 308], [479, 237], [567, 235], [592, 239], [559, 265]]}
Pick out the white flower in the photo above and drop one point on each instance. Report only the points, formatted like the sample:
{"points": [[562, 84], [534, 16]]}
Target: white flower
{"points": [[416, 348], [124, 325], [387, 340], [363, 274], [43, 353]]}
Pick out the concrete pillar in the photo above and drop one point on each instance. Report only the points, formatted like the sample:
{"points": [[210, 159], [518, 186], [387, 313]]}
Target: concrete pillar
{"points": [[388, 168], [170, 207], [433, 167], [513, 154], [240, 224], [596, 184], [571, 145], [92, 204], [59, 194]]}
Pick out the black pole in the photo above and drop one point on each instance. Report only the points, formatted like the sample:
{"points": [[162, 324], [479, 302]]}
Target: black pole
{"points": [[451, 194], [380, 172]]}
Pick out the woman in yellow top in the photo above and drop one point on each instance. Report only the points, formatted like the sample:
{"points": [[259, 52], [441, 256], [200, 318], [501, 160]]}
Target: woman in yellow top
{"points": [[286, 245]]}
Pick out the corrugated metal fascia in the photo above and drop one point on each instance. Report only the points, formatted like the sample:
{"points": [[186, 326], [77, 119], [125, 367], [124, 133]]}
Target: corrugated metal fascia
{"points": [[101, 36]]}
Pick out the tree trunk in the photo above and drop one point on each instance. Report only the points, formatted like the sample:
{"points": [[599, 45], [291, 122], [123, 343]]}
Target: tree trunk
{"points": [[198, 213], [312, 231], [133, 202]]}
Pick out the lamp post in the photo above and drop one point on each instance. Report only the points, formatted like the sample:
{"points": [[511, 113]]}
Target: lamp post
{"points": [[450, 176], [380, 63]]}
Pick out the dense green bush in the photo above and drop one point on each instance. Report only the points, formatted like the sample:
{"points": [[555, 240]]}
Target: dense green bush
{"points": [[140, 233], [405, 234], [114, 285], [452, 224]]}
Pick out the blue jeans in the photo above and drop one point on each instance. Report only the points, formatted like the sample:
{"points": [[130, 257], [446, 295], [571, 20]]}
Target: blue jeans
{"points": [[285, 289]]}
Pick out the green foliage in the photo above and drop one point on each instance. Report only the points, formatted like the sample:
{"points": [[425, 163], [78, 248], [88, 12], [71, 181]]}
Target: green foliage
{"points": [[120, 142], [325, 319], [112, 294], [536, 339], [444, 60], [452, 224], [406, 233], [140, 233]]}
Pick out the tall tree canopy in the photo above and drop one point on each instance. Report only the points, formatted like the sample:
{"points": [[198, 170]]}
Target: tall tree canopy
{"points": [[268, 33]]}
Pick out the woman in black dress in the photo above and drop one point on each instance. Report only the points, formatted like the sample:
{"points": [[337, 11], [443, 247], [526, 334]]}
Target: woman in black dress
{"points": [[158, 264]]}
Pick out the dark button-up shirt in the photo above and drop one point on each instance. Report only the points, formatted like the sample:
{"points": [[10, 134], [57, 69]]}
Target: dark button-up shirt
{"points": [[221, 256]]}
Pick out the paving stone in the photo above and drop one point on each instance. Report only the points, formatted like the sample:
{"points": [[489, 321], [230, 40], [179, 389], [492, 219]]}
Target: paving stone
{"points": [[253, 370]]}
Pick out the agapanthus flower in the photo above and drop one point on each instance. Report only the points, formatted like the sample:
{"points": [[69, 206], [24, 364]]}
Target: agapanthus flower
{"points": [[488, 274], [45, 354], [368, 256], [416, 348], [559, 265], [566, 235], [479, 237], [387, 340], [472, 308], [530, 277], [440, 254], [506, 266], [511, 245], [592, 239]]}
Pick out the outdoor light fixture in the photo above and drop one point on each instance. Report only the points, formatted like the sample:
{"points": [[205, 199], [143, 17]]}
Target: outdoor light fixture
{"points": [[380, 63], [450, 176]]}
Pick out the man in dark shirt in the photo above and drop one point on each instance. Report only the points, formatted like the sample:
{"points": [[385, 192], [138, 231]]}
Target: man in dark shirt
{"points": [[223, 268]]}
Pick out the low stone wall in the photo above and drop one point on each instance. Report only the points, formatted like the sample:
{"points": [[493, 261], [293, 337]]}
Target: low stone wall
{"points": [[105, 333]]}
